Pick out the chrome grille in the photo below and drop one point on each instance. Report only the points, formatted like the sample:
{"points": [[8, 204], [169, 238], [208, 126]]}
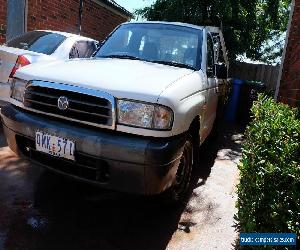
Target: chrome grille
{"points": [[86, 106]]}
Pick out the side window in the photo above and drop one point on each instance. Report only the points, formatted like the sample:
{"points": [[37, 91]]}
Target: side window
{"points": [[82, 49], [210, 56]]}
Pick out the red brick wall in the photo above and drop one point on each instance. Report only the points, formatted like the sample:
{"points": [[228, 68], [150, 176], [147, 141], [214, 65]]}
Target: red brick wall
{"points": [[62, 15], [290, 82], [98, 21], [2, 20]]}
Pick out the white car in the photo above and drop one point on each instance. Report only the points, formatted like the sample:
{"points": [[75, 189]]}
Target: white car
{"points": [[130, 119], [37, 46]]}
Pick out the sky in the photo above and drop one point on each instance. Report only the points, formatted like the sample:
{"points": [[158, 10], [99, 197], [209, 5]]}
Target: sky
{"points": [[131, 5]]}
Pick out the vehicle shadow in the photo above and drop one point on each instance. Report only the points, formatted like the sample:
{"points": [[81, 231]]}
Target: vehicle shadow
{"points": [[68, 215]]}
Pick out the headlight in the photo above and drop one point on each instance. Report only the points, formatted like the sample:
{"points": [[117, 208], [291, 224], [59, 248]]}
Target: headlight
{"points": [[144, 115], [18, 89]]}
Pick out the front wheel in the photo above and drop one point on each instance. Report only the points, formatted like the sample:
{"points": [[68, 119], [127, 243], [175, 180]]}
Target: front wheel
{"points": [[178, 192]]}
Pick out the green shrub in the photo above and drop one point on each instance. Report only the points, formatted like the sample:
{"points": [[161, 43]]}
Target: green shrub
{"points": [[269, 188]]}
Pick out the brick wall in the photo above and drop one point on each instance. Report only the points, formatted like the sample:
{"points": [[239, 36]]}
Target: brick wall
{"points": [[62, 15], [54, 15], [2, 20], [290, 82], [98, 21]]}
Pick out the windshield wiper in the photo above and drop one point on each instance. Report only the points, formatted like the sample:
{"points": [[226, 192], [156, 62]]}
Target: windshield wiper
{"points": [[175, 64], [122, 57]]}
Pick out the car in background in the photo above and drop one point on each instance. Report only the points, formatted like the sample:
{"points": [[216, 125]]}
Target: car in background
{"points": [[37, 46]]}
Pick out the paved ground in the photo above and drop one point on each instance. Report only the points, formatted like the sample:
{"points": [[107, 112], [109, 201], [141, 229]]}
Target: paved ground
{"points": [[39, 210]]}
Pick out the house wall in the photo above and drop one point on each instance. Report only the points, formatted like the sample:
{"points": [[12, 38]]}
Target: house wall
{"points": [[62, 15], [2, 20], [98, 20], [53, 15], [289, 91]]}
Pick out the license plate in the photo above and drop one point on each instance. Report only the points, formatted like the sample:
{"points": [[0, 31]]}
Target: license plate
{"points": [[54, 145]]}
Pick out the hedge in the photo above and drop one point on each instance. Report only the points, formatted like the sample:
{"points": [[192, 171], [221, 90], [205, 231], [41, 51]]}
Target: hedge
{"points": [[269, 188]]}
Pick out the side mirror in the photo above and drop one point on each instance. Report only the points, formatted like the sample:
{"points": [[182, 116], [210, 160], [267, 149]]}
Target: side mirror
{"points": [[221, 71]]}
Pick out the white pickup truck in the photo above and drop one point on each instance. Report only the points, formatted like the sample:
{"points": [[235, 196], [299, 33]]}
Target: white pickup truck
{"points": [[129, 119]]}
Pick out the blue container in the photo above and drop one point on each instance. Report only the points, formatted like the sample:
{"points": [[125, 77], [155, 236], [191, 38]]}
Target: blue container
{"points": [[231, 110]]}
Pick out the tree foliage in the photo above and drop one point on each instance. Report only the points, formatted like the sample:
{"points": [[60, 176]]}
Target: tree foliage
{"points": [[248, 26]]}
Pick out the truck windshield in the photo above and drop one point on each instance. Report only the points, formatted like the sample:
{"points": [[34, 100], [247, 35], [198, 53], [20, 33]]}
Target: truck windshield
{"points": [[169, 44], [38, 41]]}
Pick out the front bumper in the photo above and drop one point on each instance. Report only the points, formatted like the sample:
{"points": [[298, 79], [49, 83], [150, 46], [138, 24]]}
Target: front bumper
{"points": [[113, 160]]}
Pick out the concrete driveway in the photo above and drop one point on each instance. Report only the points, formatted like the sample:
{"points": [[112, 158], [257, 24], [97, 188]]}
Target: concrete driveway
{"points": [[39, 210]]}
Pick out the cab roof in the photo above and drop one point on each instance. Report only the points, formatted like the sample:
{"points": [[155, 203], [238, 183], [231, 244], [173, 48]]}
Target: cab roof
{"points": [[210, 28]]}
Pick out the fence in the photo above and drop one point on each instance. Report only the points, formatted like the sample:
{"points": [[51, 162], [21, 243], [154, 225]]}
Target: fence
{"points": [[256, 72]]}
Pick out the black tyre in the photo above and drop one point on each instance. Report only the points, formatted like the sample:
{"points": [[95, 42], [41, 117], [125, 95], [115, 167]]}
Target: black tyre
{"points": [[179, 191]]}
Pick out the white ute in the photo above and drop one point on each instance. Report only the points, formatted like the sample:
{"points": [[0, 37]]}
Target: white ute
{"points": [[131, 118]]}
